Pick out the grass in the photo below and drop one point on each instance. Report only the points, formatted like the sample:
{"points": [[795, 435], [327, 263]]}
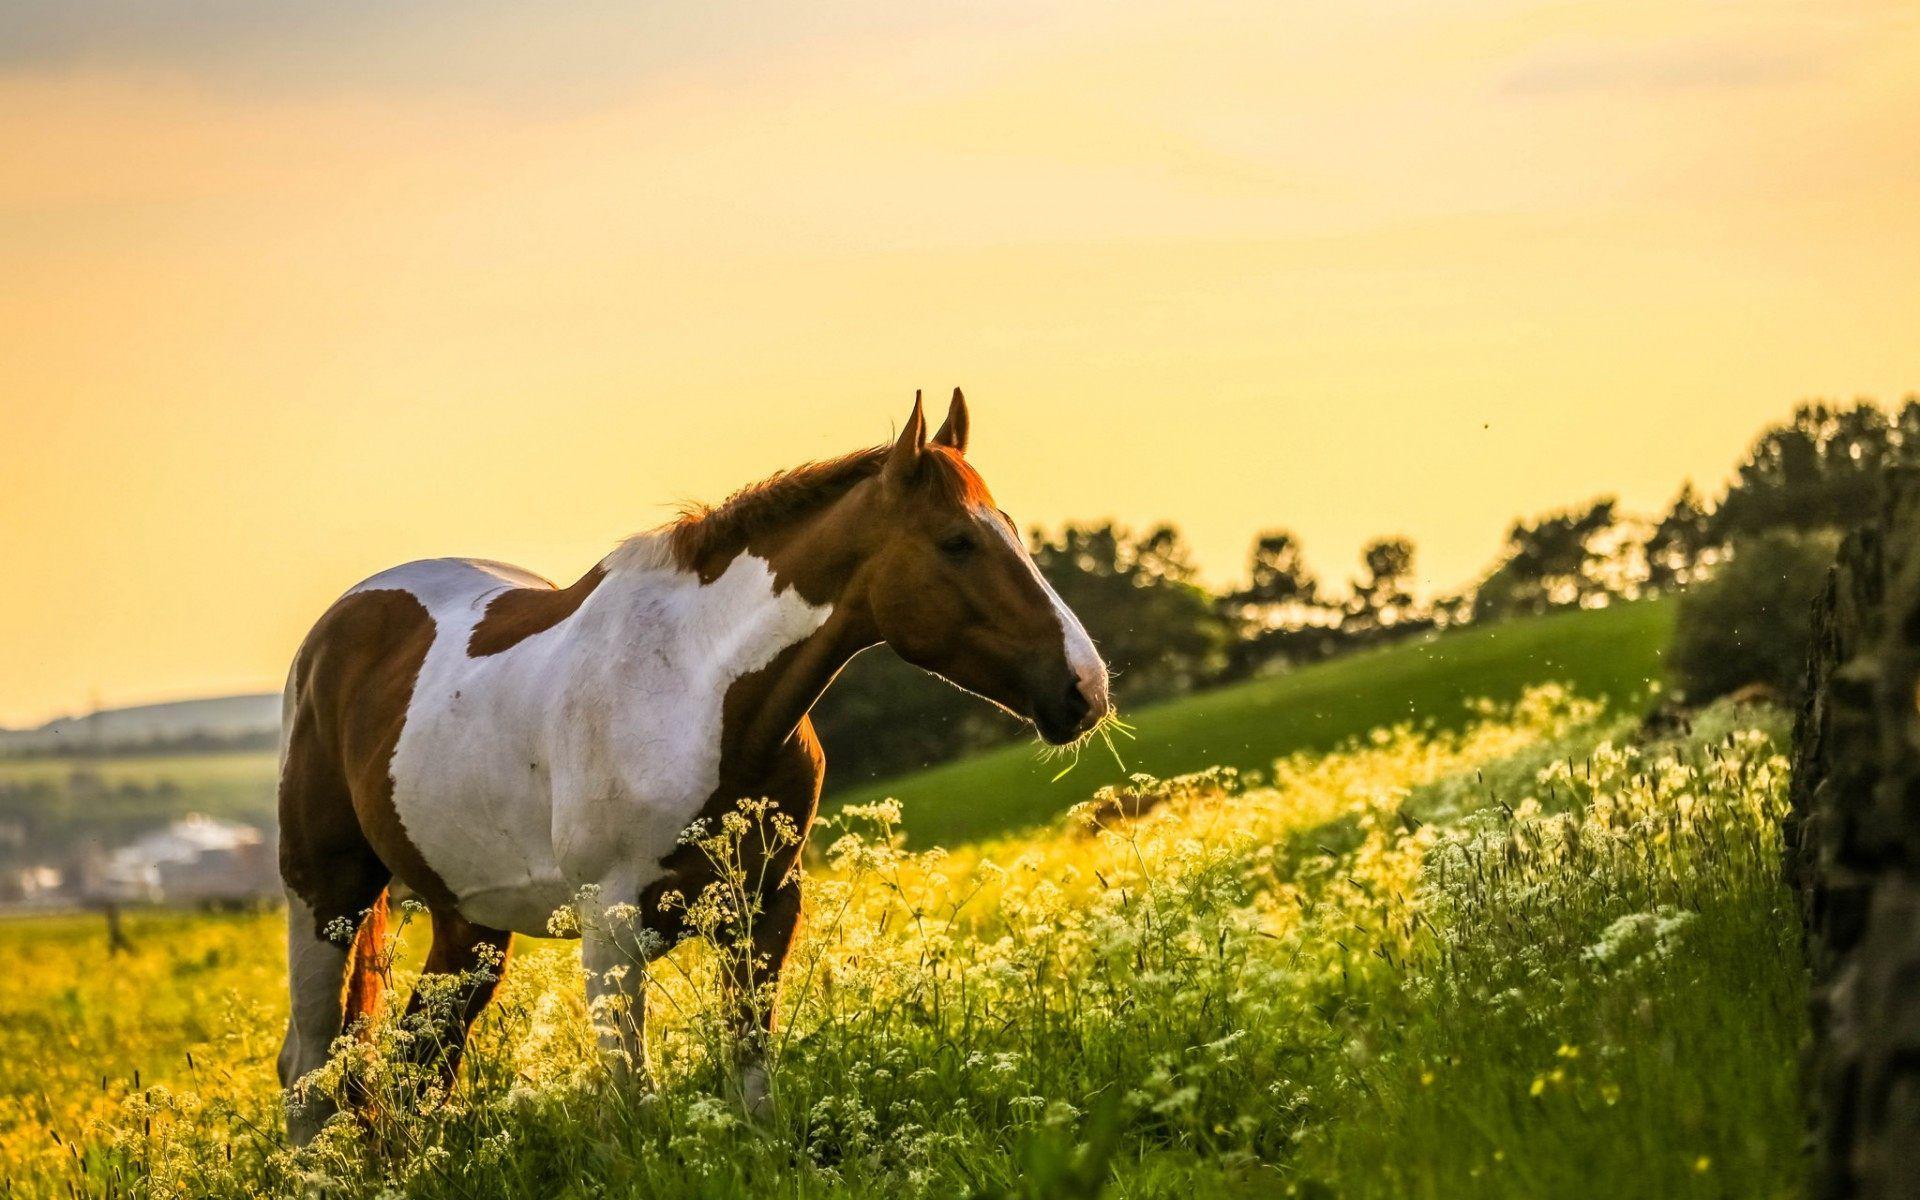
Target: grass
{"points": [[1613, 654], [80, 1030], [113, 797], [253, 768], [1523, 958]]}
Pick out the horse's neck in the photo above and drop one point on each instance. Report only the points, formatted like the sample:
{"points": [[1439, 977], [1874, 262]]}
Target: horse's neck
{"points": [[656, 635]]}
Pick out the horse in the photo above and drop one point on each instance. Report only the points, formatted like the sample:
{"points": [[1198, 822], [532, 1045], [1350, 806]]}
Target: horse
{"points": [[504, 748]]}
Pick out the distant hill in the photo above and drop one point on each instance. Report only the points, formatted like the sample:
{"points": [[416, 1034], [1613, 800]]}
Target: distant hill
{"points": [[1613, 654], [214, 719]]}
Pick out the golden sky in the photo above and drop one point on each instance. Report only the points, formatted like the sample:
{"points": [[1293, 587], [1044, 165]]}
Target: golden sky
{"points": [[290, 293]]}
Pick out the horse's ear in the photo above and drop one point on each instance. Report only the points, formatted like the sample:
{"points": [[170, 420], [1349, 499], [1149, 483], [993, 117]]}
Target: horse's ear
{"points": [[903, 461], [953, 431]]}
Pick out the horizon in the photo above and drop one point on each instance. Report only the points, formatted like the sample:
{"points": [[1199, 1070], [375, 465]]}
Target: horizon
{"points": [[299, 295]]}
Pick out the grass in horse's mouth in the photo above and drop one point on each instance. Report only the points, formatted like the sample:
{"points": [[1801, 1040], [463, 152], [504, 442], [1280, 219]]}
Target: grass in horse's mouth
{"points": [[1104, 729]]}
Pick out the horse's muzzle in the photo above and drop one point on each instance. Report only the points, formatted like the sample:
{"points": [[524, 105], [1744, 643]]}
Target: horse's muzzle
{"points": [[1067, 714]]}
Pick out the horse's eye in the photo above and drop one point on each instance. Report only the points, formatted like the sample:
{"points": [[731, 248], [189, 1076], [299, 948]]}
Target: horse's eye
{"points": [[957, 545]]}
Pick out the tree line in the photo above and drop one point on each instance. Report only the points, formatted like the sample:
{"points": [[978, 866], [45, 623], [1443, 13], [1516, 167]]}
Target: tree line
{"points": [[1165, 634]]}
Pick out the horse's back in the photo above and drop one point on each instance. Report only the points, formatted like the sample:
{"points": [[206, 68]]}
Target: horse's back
{"points": [[369, 646], [441, 583]]}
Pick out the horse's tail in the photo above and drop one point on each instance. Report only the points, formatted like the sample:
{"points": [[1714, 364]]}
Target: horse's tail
{"points": [[368, 969]]}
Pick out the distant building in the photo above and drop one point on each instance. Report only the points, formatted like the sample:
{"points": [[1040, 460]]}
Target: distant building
{"points": [[37, 885], [195, 860]]}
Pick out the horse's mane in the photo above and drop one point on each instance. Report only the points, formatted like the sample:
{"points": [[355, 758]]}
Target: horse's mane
{"points": [[707, 533]]}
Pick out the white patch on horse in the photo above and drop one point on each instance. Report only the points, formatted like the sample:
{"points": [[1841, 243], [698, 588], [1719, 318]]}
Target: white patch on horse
{"points": [[315, 967], [1088, 668], [579, 754]]}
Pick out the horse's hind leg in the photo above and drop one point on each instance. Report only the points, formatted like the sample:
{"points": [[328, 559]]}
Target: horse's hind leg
{"points": [[336, 909], [325, 998], [461, 974]]}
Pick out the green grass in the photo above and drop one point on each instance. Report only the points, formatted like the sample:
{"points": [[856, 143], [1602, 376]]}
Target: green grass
{"points": [[218, 767], [1533, 958], [1611, 654], [239, 784]]}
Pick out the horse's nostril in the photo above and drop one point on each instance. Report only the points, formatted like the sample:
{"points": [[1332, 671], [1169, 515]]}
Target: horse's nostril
{"points": [[1077, 702], [1066, 716]]}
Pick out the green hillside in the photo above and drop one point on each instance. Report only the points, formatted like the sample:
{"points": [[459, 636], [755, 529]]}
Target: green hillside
{"points": [[1611, 653]]}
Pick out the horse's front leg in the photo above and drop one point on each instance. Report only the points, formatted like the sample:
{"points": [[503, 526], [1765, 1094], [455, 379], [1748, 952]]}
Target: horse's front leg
{"points": [[615, 948], [753, 975]]}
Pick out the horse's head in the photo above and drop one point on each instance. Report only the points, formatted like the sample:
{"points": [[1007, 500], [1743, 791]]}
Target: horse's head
{"points": [[952, 588]]}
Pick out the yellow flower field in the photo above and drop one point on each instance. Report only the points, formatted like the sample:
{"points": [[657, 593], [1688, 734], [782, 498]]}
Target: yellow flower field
{"points": [[1523, 959]]}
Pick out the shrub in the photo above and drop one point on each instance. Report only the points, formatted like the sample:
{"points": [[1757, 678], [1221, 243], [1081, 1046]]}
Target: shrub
{"points": [[1752, 621]]}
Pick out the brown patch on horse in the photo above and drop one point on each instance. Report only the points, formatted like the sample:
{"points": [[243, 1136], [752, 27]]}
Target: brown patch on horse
{"points": [[367, 972], [708, 538], [341, 837], [518, 613]]}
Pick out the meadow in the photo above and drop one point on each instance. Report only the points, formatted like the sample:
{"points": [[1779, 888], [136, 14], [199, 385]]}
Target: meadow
{"points": [[208, 777], [1528, 954], [1607, 654]]}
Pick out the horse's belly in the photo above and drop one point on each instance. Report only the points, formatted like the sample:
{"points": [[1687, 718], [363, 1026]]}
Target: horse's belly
{"points": [[471, 790], [514, 830], [525, 907], [491, 846]]}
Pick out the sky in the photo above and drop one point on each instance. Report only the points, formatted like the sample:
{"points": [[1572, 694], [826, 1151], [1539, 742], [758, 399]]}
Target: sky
{"points": [[291, 293]]}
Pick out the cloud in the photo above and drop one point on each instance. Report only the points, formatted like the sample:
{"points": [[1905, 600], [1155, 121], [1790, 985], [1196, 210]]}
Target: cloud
{"points": [[1668, 67], [64, 33], [485, 50], [480, 50]]}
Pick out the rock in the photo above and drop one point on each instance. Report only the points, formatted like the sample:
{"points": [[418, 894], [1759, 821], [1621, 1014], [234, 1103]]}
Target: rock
{"points": [[1853, 857]]}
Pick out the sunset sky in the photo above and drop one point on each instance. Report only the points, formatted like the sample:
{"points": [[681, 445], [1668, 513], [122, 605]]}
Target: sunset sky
{"points": [[292, 292]]}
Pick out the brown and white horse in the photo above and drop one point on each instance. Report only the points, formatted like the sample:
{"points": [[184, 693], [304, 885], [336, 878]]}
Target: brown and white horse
{"points": [[501, 746]]}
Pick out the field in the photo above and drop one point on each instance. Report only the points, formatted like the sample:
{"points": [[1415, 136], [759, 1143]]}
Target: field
{"points": [[1528, 956], [211, 776]]}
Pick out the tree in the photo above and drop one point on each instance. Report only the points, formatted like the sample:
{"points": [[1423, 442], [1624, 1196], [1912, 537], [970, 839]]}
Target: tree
{"points": [[1280, 575], [1281, 593], [1752, 621], [1381, 597], [1555, 561], [1280, 617], [1819, 470], [1682, 544]]}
